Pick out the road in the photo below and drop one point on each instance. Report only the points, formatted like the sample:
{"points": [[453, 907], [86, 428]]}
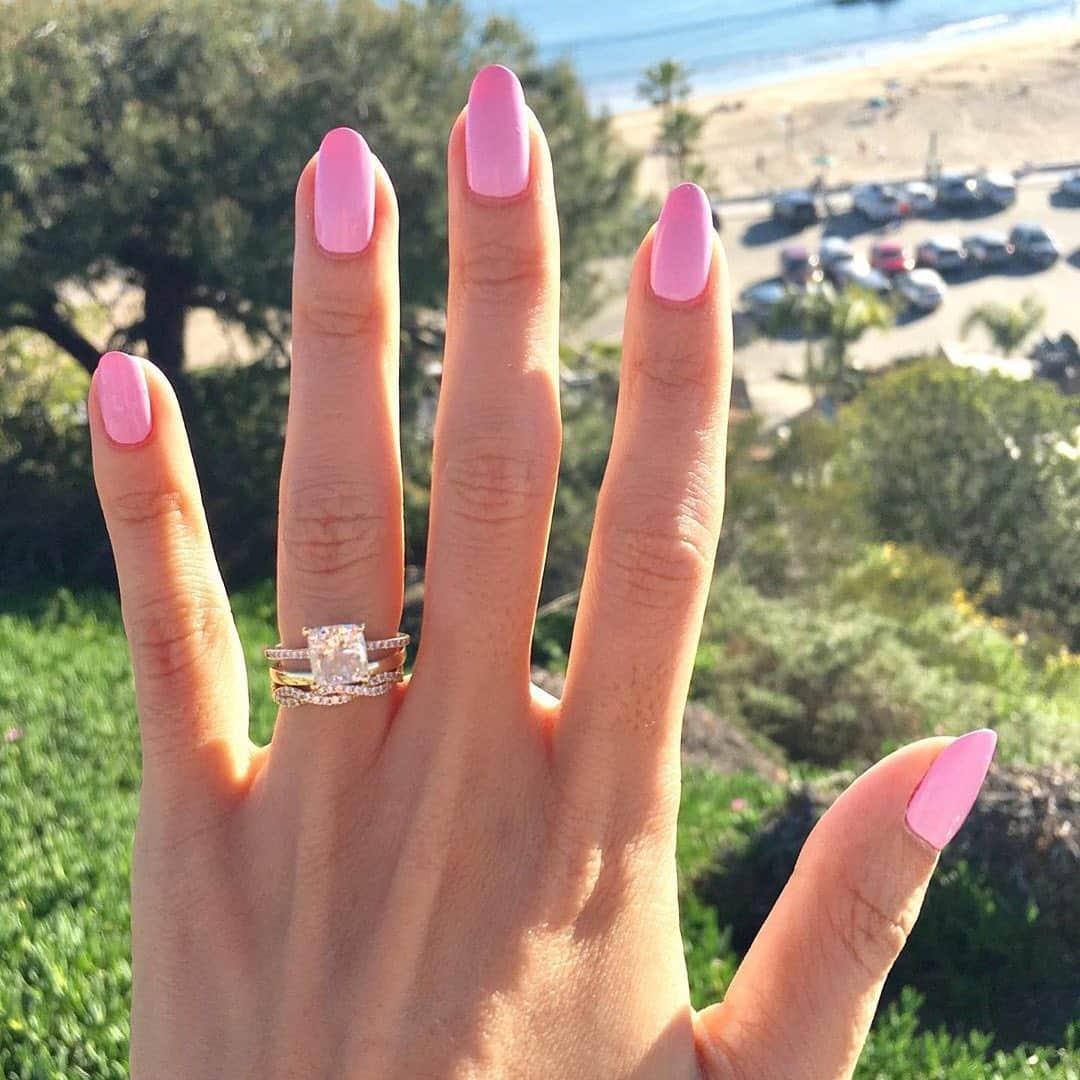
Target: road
{"points": [[753, 249]]}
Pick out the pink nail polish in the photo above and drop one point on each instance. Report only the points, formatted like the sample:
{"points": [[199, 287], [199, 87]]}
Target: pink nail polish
{"points": [[497, 134], [344, 193], [947, 792], [123, 397], [682, 245]]}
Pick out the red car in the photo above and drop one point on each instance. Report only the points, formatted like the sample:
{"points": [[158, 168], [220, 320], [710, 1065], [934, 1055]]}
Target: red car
{"points": [[891, 257]]}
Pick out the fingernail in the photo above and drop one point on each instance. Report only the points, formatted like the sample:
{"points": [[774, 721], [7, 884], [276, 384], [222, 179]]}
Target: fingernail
{"points": [[123, 397], [344, 193], [947, 792], [497, 134], [682, 245]]}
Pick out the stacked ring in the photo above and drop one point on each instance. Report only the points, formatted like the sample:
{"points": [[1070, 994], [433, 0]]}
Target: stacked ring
{"points": [[341, 666]]}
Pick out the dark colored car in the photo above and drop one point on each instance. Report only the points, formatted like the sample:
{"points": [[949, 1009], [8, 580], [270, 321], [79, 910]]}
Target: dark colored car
{"points": [[958, 191], [988, 249], [945, 254], [799, 266], [796, 209], [1034, 244], [891, 257]]}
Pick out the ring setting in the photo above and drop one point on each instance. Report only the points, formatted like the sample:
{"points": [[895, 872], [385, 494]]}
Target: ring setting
{"points": [[344, 665]]}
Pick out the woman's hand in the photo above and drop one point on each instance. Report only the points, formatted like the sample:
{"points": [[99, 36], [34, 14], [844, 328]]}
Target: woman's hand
{"points": [[465, 878]]}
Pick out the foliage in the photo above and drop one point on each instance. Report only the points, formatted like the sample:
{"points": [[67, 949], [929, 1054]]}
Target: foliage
{"points": [[158, 142], [666, 86], [1007, 325], [983, 469]]}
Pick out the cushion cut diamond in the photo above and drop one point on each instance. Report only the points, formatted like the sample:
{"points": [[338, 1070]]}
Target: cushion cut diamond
{"points": [[338, 656]]}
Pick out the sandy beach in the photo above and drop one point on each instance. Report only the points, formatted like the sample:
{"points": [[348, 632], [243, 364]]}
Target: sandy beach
{"points": [[994, 102]]}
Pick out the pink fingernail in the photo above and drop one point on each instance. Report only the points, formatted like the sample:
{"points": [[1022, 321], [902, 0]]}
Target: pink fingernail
{"points": [[344, 193], [497, 134], [123, 397], [682, 245], [947, 792]]}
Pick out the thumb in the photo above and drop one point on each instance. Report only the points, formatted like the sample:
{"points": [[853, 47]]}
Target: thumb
{"points": [[803, 999]]}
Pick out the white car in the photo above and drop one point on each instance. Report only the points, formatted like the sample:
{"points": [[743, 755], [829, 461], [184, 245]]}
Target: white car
{"points": [[922, 289], [833, 250], [920, 196], [997, 187], [857, 272], [881, 203]]}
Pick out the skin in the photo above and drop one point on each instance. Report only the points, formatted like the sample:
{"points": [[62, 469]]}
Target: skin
{"points": [[466, 878]]}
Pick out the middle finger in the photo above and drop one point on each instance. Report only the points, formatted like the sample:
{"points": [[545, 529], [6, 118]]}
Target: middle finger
{"points": [[497, 434]]}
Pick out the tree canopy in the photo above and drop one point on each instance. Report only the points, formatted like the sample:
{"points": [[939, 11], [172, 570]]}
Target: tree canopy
{"points": [[157, 142]]}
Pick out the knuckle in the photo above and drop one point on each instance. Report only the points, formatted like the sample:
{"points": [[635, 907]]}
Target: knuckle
{"points": [[333, 527], [653, 562], [489, 483], [500, 264], [173, 633], [342, 321], [867, 934], [152, 507], [671, 373]]}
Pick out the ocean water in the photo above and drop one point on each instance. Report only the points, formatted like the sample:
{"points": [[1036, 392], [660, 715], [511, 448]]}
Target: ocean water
{"points": [[738, 42]]}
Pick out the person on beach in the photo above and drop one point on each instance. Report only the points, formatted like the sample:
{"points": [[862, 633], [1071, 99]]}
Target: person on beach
{"points": [[453, 874]]}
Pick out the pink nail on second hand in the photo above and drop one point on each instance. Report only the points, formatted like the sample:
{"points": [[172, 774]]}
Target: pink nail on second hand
{"points": [[344, 193], [946, 794], [682, 245], [123, 398], [497, 134]]}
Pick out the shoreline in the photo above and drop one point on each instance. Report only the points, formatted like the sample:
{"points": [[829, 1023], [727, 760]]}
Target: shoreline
{"points": [[995, 99]]}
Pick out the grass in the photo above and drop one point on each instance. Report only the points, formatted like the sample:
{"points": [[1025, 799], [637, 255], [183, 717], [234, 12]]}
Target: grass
{"points": [[69, 778]]}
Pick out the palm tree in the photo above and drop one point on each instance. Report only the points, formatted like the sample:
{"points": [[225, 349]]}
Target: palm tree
{"points": [[666, 86], [833, 322], [664, 83], [1008, 325]]}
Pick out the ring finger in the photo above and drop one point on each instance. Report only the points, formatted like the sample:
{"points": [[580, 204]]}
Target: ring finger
{"points": [[340, 544]]}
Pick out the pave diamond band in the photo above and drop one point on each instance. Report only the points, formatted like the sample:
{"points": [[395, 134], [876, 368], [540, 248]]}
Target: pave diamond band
{"points": [[289, 697], [279, 652], [286, 677]]}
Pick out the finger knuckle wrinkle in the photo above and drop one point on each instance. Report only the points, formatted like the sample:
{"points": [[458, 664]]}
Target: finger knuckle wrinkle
{"points": [[155, 508], [342, 321], [493, 485], [654, 564], [171, 634], [865, 931], [673, 373], [499, 265], [332, 528]]}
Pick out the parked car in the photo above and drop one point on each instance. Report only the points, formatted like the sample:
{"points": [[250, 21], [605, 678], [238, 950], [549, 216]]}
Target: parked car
{"points": [[944, 253], [891, 257], [988, 249], [1034, 244], [1069, 188], [799, 265], [761, 298], [958, 191], [997, 188], [920, 196], [857, 272], [833, 250], [880, 203], [796, 209], [923, 289]]}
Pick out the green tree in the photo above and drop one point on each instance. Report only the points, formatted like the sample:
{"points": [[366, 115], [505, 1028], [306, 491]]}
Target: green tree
{"points": [[157, 142], [830, 323], [983, 469], [1008, 325], [666, 86]]}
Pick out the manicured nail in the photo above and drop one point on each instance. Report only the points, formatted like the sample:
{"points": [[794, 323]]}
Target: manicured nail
{"points": [[947, 792], [682, 245], [123, 397], [497, 134], [344, 193]]}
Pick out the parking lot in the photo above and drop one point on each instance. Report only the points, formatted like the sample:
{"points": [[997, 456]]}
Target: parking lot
{"points": [[753, 242]]}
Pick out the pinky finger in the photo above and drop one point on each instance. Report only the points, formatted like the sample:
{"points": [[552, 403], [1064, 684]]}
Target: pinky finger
{"points": [[189, 674]]}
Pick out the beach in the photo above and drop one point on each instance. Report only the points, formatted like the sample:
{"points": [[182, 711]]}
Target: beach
{"points": [[1004, 101]]}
